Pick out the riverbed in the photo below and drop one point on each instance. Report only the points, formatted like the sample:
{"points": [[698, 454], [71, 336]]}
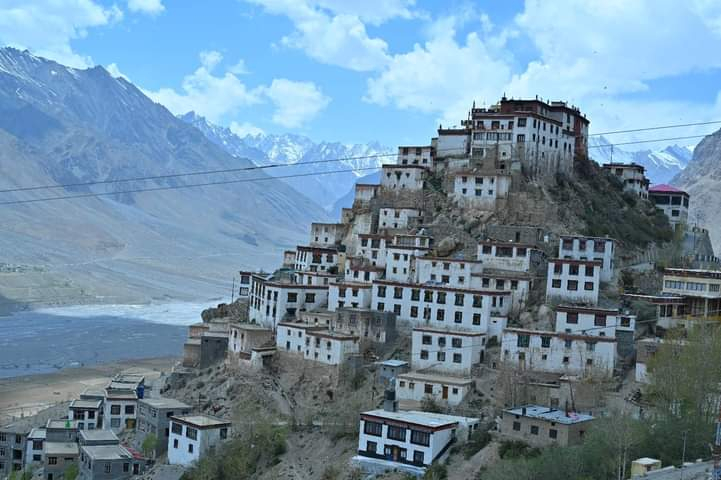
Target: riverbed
{"points": [[47, 340]]}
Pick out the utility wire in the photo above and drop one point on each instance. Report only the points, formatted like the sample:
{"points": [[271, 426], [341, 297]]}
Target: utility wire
{"points": [[330, 160], [662, 127]]}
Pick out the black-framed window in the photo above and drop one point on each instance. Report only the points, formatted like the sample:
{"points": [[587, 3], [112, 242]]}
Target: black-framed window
{"points": [[396, 433], [420, 438], [373, 428]]}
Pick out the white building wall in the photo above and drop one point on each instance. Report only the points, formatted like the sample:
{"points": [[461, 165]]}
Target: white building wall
{"points": [[437, 443], [274, 301], [410, 388], [292, 338], [505, 256], [122, 417], [568, 354], [589, 248], [446, 351], [415, 155], [452, 143], [480, 191], [361, 274], [180, 455], [323, 348], [399, 177], [396, 218], [518, 286], [563, 283], [600, 323], [347, 294], [373, 248], [365, 193], [449, 272], [326, 234]]}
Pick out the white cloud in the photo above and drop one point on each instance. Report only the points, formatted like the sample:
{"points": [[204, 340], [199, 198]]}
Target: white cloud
{"points": [[114, 71], [441, 76], [46, 27], [295, 102], [151, 7], [334, 36], [244, 129], [222, 96], [239, 68]]}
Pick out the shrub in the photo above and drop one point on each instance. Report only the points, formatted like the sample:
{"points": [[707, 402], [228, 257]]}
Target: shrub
{"points": [[517, 449]]}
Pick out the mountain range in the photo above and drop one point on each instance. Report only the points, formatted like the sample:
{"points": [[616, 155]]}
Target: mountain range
{"points": [[60, 125], [311, 160], [661, 165]]}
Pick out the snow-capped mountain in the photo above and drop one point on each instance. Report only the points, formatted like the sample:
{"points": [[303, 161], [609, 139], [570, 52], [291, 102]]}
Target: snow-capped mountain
{"points": [[661, 165], [310, 159]]}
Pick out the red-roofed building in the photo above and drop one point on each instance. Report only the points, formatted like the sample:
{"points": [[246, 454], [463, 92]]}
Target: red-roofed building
{"points": [[672, 201]]}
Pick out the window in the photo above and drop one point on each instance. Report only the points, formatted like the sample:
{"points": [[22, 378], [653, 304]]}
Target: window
{"points": [[397, 309], [292, 297], [456, 342], [398, 292], [588, 286], [589, 270], [381, 306], [457, 358], [191, 433], [371, 447], [414, 312], [440, 314], [534, 429], [381, 291], [126, 467], [545, 341], [459, 299], [310, 298], [523, 341], [396, 433], [557, 268], [418, 457], [428, 295], [424, 354], [553, 433], [190, 448], [115, 410], [458, 317], [573, 285], [129, 409], [52, 460], [415, 294], [428, 389], [573, 269], [441, 298], [427, 340], [517, 426], [599, 320], [556, 283], [175, 443], [420, 438], [476, 319], [477, 301], [373, 428], [108, 467], [565, 360]]}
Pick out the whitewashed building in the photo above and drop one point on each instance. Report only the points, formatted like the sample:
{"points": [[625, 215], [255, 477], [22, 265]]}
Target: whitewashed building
{"points": [[518, 283], [556, 352], [364, 193], [413, 387], [401, 262], [575, 247], [632, 175], [272, 301], [390, 218], [291, 337], [409, 441], [672, 202], [403, 177], [192, 436], [700, 290], [415, 155], [446, 350], [453, 142], [330, 348], [349, 294], [449, 272], [373, 248], [594, 321], [512, 256], [314, 278], [326, 234], [359, 269], [316, 259], [472, 189], [573, 280]]}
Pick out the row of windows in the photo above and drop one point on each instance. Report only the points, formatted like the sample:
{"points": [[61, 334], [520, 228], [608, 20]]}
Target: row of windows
{"points": [[524, 341], [533, 430], [599, 246], [440, 313], [458, 299], [397, 433], [455, 341], [427, 387], [504, 251], [441, 356], [115, 409], [572, 285], [573, 269]]}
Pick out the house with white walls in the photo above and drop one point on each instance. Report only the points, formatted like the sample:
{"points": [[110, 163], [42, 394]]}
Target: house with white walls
{"points": [[192, 436], [391, 218], [292, 337], [349, 294], [446, 350], [603, 249], [330, 348], [326, 234], [577, 281], [403, 177], [413, 387], [517, 257], [422, 155], [373, 248], [474, 189], [446, 271]]}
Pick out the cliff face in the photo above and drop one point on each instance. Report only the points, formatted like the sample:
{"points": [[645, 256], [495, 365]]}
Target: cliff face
{"points": [[702, 180]]}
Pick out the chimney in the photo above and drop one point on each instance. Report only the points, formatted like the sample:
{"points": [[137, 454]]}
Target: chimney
{"points": [[390, 404]]}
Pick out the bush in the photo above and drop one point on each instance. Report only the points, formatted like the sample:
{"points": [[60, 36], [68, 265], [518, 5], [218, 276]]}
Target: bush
{"points": [[517, 449], [479, 439], [437, 471]]}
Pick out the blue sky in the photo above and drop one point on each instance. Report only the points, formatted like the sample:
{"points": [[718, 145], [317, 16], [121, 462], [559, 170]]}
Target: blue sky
{"points": [[392, 70]]}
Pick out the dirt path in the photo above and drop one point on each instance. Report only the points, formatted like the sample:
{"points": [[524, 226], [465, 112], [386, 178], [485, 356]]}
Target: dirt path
{"points": [[23, 396]]}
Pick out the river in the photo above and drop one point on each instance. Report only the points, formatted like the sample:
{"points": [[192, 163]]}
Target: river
{"points": [[46, 340]]}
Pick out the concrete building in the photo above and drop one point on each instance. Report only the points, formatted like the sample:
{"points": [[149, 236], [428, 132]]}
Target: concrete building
{"points": [[390, 369], [34, 448], [191, 437], [97, 437], [291, 337], [57, 457], [413, 387], [416, 155], [555, 352], [480, 190], [364, 193], [349, 294], [245, 343], [577, 281], [699, 289], [575, 247], [316, 259], [213, 348], [439, 307], [417, 439], [390, 218], [326, 234], [642, 466], [368, 325], [672, 201], [446, 351], [373, 248], [518, 283], [403, 177], [120, 408], [511, 256], [542, 426], [594, 321], [451, 272], [272, 302], [646, 348], [401, 262], [61, 431], [360, 269], [88, 413], [330, 348], [13, 445], [633, 177], [109, 462], [154, 419]]}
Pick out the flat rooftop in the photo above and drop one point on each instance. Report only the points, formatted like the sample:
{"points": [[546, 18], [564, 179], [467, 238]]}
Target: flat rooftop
{"points": [[202, 421], [426, 419], [549, 414], [98, 435], [86, 404], [37, 434], [60, 448], [107, 452], [394, 363], [62, 424], [435, 378], [164, 403]]}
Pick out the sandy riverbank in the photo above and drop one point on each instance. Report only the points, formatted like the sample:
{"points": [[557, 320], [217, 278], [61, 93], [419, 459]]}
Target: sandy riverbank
{"points": [[26, 395]]}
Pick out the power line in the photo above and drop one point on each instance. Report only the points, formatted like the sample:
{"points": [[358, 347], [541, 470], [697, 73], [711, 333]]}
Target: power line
{"points": [[662, 127], [647, 141], [177, 187]]}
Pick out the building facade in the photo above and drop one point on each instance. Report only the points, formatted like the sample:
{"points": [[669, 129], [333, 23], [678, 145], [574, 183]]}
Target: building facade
{"points": [[577, 281]]}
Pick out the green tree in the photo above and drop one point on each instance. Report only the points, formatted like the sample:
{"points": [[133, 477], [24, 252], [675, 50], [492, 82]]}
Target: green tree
{"points": [[71, 472], [149, 444]]}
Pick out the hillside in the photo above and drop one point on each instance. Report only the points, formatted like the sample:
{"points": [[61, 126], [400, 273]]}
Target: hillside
{"points": [[702, 180], [60, 125], [296, 150]]}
